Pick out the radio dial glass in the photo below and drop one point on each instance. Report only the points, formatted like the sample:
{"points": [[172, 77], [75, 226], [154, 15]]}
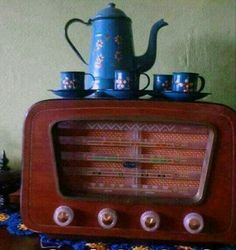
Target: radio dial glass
{"points": [[132, 159]]}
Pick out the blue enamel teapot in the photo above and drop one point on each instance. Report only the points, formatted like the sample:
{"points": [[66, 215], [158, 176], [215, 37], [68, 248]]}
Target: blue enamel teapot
{"points": [[112, 47]]}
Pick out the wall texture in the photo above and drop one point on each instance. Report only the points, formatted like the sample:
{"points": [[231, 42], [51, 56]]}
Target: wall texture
{"points": [[201, 37]]}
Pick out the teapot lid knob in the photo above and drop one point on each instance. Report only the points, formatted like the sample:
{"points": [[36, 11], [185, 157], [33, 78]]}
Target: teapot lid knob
{"points": [[112, 5], [111, 12]]}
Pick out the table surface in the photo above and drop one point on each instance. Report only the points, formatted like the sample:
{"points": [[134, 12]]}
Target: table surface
{"points": [[10, 242]]}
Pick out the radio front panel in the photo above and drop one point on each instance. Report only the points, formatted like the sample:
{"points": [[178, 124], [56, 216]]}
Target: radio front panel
{"points": [[130, 160], [130, 169]]}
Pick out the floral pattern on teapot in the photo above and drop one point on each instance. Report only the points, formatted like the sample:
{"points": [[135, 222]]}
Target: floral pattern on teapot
{"points": [[118, 39], [118, 56], [99, 61], [101, 44]]}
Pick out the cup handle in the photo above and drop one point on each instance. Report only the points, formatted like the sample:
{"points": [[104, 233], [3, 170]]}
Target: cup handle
{"points": [[202, 83], [148, 83], [88, 74]]}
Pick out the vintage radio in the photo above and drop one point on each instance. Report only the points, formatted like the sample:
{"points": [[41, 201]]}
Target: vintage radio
{"points": [[134, 169]]}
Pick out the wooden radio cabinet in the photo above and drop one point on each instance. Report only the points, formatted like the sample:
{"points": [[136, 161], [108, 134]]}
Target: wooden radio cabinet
{"points": [[134, 169]]}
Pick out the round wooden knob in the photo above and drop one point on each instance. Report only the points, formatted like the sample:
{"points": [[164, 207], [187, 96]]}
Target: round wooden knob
{"points": [[150, 221], [193, 223], [63, 216], [107, 218]]}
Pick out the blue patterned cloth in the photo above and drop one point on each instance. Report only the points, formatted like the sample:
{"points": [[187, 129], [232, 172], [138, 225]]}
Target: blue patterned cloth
{"points": [[13, 222], [11, 219], [46, 242]]}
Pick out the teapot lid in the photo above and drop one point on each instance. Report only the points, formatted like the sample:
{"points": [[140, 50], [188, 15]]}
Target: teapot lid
{"points": [[110, 11]]}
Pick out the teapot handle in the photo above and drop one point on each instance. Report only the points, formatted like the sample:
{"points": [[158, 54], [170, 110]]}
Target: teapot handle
{"points": [[68, 39]]}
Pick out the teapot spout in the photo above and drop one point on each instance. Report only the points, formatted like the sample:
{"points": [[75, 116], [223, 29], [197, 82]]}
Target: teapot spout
{"points": [[146, 61]]}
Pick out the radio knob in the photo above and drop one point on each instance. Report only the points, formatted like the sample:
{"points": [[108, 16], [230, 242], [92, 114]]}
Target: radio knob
{"points": [[107, 218], [150, 221], [63, 216], [193, 223]]}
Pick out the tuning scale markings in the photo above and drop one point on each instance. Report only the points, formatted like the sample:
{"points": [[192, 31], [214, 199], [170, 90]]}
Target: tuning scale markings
{"points": [[133, 158]]}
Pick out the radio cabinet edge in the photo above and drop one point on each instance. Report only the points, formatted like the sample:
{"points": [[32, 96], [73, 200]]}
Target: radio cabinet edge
{"points": [[130, 169]]}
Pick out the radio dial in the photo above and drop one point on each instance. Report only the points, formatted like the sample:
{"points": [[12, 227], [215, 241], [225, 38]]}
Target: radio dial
{"points": [[150, 221], [193, 223], [107, 218], [63, 216]]}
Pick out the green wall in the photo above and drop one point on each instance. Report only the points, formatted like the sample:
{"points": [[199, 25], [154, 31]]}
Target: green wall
{"points": [[200, 38]]}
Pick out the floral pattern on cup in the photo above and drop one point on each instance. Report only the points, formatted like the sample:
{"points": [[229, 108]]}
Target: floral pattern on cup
{"points": [[187, 82], [68, 84], [121, 84], [186, 86], [71, 80], [162, 82], [128, 80], [166, 85]]}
